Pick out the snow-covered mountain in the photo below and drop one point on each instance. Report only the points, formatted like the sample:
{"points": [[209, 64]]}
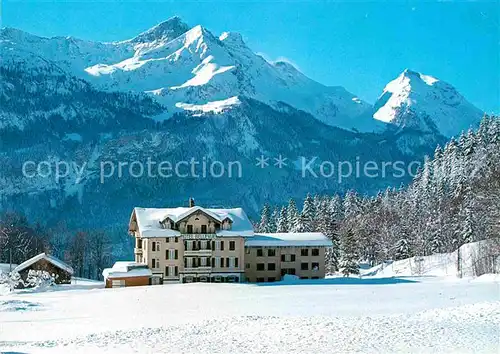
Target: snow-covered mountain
{"points": [[424, 103], [182, 66]]}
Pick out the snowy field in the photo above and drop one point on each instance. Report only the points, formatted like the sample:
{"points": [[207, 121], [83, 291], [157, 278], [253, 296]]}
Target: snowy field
{"points": [[372, 314]]}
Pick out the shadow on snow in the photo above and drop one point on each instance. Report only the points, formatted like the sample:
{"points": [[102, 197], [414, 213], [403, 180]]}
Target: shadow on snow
{"points": [[341, 281]]}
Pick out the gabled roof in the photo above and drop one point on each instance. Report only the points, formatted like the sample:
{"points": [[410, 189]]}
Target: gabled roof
{"points": [[123, 269], [295, 239], [148, 220], [55, 261]]}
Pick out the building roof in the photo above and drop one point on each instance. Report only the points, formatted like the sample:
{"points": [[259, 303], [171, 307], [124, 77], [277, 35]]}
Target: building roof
{"points": [[55, 261], [127, 270], [296, 239], [148, 220]]}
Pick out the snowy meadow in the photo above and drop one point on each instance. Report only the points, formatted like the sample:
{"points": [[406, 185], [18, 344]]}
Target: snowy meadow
{"points": [[368, 314]]}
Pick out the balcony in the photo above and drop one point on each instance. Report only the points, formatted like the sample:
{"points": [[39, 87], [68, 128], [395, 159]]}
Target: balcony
{"points": [[200, 269], [198, 252]]}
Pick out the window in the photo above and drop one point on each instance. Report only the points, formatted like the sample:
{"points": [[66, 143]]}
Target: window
{"points": [[304, 266], [155, 246], [217, 262], [117, 283], [170, 271], [227, 262], [203, 229], [190, 229], [247, 265], [291, 271], [260, 252], [260, 280], [271, 279], [283, 258], [176, 239], [231, 262], [203, 262], [170, 254], [232, 245], [260, 266], [271, 253], [315, 266], [304, 252], [167, 240], [292, 258], [271, 266], [315, 252], [155, 263]]}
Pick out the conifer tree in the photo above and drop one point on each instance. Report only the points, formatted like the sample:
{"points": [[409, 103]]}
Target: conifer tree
{"points": [[349, 258], [282, 224]]}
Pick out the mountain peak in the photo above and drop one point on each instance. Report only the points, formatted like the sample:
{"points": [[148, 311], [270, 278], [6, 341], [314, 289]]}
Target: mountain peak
{"points": [[422, 102], [413, 77], [169, 29]]}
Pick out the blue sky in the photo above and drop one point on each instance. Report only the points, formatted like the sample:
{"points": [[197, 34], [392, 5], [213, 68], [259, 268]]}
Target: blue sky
{"points": [[360, 45]]}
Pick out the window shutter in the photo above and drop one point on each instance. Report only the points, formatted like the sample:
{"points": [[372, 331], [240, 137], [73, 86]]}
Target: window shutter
{"points": [[166, 271], [227, 262], [213, 245], [213, 262], [236, 262], [176, 254], [167, 254], [222, 245], [153, 246]]}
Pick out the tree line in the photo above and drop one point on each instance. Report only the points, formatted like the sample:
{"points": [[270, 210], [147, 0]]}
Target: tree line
{"points": [[88, 252], [454, 199]]}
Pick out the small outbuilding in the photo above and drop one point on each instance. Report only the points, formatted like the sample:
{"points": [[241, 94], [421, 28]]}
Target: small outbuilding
{"points": [[60, 271], [124, 274]]}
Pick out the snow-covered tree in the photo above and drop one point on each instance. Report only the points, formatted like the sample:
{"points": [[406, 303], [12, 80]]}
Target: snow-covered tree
{"points": [[292, 216], [349, 257], [282, 224], [265, 219]]}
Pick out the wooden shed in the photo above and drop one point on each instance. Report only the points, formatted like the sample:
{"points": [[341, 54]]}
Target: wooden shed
{"points": [[58, 269], [124, 274]]}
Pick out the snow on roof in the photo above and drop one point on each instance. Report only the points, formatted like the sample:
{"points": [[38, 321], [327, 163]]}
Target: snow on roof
{"points": [[124, 269], [55, 261], [148, 220], [296, 239]]}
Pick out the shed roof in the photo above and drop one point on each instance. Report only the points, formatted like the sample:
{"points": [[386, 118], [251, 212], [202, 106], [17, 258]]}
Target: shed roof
{"points": [[55, 261], [296, 239]]}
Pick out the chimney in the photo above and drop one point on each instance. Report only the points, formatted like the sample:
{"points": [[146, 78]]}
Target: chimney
{"points": [[191, 202]]}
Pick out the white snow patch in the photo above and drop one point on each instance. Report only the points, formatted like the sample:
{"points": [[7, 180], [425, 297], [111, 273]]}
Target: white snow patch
{"points": [[214, 107]]}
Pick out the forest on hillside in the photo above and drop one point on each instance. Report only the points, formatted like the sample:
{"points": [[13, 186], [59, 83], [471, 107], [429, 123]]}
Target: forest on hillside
{"points": [[454, 199]]}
